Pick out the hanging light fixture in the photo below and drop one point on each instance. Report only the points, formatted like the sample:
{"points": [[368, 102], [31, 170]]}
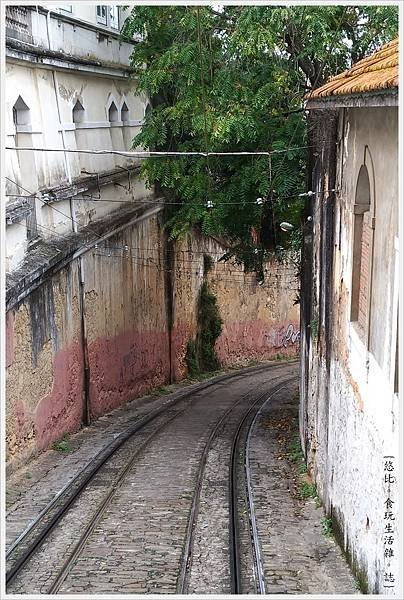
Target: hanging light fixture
{"points": [[285, 226]]}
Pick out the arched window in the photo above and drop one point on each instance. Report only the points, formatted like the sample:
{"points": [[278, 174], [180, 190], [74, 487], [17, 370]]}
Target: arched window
{"points": [[78, 112], [113, 113], [21, 113], [362, 241], [124, 113]]}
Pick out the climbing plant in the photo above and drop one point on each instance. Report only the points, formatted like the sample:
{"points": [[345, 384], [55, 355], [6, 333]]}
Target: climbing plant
{"points": [[201, 354]]}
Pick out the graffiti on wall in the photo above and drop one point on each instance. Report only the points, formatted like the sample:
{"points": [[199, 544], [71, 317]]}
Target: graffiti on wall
{"points": [[287, 336]]}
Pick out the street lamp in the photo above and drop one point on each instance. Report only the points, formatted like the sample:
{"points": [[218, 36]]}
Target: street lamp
{"points": [[285, 226]]}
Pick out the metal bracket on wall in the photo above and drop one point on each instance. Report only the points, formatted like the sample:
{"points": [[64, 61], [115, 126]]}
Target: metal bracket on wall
{"points": [[127, 188]]}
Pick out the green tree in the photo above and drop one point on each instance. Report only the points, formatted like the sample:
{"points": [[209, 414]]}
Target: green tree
{"points": [[232, 79]]}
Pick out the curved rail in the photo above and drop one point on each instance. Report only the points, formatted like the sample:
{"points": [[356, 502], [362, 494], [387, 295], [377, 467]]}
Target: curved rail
{"points": [[234, 530], [37, 531], [251, 507], [182, 582], [100, 510]]}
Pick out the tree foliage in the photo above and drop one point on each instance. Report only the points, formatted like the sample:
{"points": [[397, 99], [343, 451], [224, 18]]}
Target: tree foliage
{"points": [[230, 79]]}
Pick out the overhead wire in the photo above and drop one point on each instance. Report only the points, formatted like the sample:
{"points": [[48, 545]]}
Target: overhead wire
{"points": [[93, 246], [48, 199], [216, 279], [55, 209], [147, 154], [151, 153]]}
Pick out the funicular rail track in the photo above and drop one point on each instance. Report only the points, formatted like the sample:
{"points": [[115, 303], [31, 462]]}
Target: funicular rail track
{"points": [[33, 537], [240, 445]]}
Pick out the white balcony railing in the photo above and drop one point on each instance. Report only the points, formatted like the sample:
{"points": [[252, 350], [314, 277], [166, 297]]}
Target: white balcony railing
{"points": [[19, 23]]}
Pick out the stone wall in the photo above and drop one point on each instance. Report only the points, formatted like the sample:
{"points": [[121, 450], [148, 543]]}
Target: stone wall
{"points": [[133, 321]]}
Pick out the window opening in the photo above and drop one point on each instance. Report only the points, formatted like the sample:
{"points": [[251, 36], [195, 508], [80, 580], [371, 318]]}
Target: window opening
{"points": [[78, 112], [108, 15], [361, 251], [114, 17], [113, 113], [102, 14], [124, 113], [21, 113]]}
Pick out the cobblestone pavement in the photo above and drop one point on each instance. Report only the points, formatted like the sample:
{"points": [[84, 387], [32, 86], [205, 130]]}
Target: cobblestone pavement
{"points": [[210, 567], [148, 539], [298, 558], [159, 472], [137, 545], [31, 487]]}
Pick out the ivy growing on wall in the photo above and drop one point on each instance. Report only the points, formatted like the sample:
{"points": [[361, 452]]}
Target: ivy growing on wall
{"points": [[201, 355]]}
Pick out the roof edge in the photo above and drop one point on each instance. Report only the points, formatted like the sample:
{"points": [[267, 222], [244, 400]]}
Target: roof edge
{"points": [[385, 97]]}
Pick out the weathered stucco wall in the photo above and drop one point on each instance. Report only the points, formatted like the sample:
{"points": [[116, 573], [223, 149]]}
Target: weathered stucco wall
{"points": [[259, 322], [139, 309], [128, 342], [44, 375], [349, 405]]}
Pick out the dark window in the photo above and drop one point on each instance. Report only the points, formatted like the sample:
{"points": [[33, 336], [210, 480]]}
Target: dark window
{"points": [[124, 113], [102, 14], [113, 113], [78, 112], [21, 113]]}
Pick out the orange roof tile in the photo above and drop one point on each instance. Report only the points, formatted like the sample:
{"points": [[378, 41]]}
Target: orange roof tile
{"points": [[378, 71]]}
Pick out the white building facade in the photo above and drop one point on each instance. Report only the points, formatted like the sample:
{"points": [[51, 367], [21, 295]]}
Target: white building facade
{"points": [[68, 87], [349, 316]]}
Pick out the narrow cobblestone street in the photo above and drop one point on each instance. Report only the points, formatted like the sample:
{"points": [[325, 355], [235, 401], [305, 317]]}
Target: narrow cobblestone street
{"points": [[155, 516]]}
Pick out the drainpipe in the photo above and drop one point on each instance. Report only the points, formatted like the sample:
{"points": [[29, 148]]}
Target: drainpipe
{"points": [[169, 299], [83, 329], [48, 28], [80, 265]]}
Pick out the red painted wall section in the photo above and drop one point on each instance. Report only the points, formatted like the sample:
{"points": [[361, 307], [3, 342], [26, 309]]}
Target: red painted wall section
{"points": [[126, 366], [126, 315], [180, 336], [61, 410], [257, 340]]}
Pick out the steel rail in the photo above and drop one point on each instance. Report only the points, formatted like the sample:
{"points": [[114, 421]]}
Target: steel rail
{"points": [[182, 581], [234, 529], [250, 502], [101, 508], [98, 513], [38, 530]]}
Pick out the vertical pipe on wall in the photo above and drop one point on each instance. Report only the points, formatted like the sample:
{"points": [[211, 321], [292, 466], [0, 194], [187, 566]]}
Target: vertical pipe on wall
{"points": [[169, 300], [83, 327]]}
